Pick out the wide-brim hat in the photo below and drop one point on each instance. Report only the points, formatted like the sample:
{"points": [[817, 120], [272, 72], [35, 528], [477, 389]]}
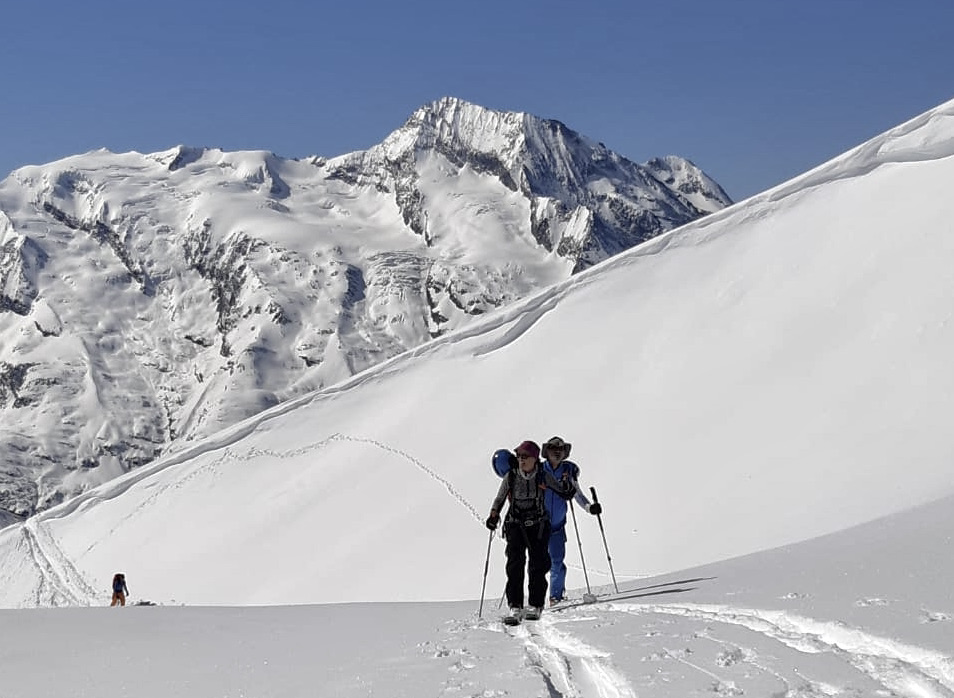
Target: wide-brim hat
{"points": [[557, 443]]}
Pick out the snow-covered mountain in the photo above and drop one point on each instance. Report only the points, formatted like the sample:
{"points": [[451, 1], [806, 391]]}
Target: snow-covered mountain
{"points": [[148, 300], [777, 371]]}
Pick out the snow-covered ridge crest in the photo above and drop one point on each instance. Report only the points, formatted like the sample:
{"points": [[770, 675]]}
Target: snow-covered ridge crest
{"points": [[150, 299]]}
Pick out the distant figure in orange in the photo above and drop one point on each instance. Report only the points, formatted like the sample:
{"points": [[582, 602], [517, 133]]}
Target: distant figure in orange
{"points": [[120, 590]]}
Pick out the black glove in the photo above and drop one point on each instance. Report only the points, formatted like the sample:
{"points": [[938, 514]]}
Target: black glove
{"points": [[492, 522], [596, 509]]}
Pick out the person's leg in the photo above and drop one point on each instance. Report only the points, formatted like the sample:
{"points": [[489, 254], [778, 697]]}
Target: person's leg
{"points": [[122, 599], [557, 566], [539, 565], [115, 599], [516, 561]]}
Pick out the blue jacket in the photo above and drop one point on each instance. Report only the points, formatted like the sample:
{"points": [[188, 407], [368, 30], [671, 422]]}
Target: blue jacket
{"points": [[556, 505]]}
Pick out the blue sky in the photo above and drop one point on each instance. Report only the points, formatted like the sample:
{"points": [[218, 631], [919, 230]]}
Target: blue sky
{"points": [[753, 91]]}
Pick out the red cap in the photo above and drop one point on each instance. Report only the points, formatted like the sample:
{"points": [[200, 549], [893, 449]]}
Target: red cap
{"points": [[529, 448]]}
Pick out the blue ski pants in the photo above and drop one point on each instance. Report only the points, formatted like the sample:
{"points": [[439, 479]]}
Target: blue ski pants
{"points": [[557, 567]]}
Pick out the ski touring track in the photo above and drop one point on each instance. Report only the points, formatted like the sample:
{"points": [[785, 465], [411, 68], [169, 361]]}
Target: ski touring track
{"points": [[568, 666], [759, 652], [901, 669], [60, 583]]}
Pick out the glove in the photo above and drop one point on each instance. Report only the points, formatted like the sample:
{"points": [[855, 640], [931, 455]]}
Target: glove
{"points": [[596, 509], [492, 522]]}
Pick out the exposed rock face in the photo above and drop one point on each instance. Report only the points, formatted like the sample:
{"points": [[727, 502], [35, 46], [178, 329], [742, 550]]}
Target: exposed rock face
{"points": [[146, 300]]}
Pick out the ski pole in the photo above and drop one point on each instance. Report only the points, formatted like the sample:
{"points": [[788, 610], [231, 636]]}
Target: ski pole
{"points": [[483, 587], [589, 598], [605, 547]]}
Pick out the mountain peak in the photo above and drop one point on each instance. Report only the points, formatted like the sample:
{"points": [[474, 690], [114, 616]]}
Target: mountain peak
{"points": [[452, 123], [542, 157]]}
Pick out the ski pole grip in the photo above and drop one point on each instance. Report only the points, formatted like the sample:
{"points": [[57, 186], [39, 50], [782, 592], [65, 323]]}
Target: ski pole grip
{"points": [[593, 492]]}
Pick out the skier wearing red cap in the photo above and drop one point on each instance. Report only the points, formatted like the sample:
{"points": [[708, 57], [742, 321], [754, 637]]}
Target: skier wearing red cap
{"points": [[527, 528]]}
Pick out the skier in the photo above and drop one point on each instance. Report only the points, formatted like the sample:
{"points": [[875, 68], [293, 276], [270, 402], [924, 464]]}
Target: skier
{"points": [[120, 591], [555, 451], [527, 528]]}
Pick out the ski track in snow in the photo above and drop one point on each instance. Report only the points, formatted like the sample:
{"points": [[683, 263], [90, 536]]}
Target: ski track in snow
{"points": [[227, 456], [230, 456], [569, 667], [903, 669], [61, 584], [420, 466]]}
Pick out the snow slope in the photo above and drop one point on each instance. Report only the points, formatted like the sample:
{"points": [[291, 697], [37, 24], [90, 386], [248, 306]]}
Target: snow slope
{"points": [[863, 612], [778, 372], [796, 344]]}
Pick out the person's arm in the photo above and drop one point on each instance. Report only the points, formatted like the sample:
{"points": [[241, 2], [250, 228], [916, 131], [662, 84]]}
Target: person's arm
{"points": [[579, 496], [594, 508], [498, 503], [562, 487], [501, 497]]}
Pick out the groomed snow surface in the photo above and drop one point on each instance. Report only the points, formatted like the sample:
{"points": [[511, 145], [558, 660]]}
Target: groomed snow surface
{"points": [[763, 406]]}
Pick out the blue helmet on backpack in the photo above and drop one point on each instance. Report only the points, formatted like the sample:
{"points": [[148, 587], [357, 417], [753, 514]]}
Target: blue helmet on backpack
{"points": [[502, 462]]}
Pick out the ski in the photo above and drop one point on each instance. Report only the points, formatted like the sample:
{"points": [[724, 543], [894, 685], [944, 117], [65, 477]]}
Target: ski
{"points": [[512, 619], [589, 601], [519, 617], [531, 614], [638, 592]]}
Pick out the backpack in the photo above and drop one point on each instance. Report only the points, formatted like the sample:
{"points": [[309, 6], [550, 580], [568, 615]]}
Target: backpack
{"points": [[503, 461], [538, 510], [504, 464]]}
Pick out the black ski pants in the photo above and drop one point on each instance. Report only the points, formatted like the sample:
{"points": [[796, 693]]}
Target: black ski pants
{"points": [[522, 542]]}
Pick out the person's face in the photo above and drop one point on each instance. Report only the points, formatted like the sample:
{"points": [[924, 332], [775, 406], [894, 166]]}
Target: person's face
{"points": [[554, 454], [527, 461]]}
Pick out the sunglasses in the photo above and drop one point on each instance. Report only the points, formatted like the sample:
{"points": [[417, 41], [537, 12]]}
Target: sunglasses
{"points": [[525, 455]]}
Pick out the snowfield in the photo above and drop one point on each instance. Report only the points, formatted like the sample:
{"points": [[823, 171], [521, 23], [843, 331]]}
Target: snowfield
{"points": [[863, 612]]}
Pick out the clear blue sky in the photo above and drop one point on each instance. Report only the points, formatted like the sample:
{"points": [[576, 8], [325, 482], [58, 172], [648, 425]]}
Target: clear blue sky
{"points": [[753, 91]]}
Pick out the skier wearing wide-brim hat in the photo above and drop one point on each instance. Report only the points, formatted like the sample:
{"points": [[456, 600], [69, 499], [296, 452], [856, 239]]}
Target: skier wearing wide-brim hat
{"points": [[527, 528], [555, 452]]}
